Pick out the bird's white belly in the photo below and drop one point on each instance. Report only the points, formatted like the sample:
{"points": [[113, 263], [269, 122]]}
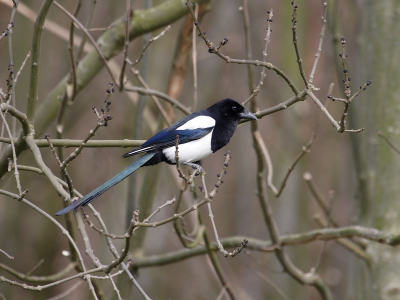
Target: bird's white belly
{"points": [[192, 151]]}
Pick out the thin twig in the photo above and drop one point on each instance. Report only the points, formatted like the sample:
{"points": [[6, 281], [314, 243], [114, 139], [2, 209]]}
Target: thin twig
{"points": [[126, 44], [71, 95], [337, 99], [328, 224], [221, 293], [317, 196], [71, 84], [107, 277], [7, 31], [194, 59], [66, 292], [247, 42], [362, 88], [321, 38], [267, 40], [151, 40], [258, 138], [346, 83], [296, 48], [169, 202], [39, 279], [101, 28], [86, 241], [178, 168], [324, 111], [54, 283], [216, 266], [82, 45], [125, 251], [148, 91], [16, 173], [62, 169], [22, 67], [221, 175], [197, 231], [11, 61], [272, 284], [112, 280], [322, 202], [45, 169], [209, 197], [67, 143], [281, 106], [211, 215], [304, 150], [40, 262], [6, 254]]}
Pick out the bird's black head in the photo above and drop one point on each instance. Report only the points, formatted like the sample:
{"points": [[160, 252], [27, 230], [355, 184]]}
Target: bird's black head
{"points": [[230, 110], [227, 114]]}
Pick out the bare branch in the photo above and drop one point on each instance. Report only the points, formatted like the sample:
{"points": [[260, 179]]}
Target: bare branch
{"points": [[161, 95], [7, 30], [296, 48], [151, 40], [323, 234], [267, 40], [126, 44], [6, 254], [22, 67], [67, 143], [321, 38]]}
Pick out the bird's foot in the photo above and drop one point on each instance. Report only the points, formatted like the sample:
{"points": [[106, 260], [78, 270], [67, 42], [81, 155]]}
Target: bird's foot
{"points": [[198, 168], [198, 171]]}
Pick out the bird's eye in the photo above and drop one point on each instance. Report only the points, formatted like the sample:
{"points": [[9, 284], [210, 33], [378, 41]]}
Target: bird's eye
{"points": [[234, 108]]}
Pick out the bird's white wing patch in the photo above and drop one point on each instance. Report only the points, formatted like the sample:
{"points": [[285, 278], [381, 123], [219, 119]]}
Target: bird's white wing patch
{"points": [[198, 122]]}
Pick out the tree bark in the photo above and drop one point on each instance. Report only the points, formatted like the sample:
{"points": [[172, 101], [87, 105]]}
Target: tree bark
{"points": [[378, 109]]}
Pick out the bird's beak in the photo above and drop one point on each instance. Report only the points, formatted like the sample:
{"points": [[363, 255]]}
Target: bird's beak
{"points": [[247, 115]]}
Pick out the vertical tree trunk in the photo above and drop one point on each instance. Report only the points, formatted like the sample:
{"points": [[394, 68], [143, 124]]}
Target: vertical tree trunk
{"points": [[378, 109]]}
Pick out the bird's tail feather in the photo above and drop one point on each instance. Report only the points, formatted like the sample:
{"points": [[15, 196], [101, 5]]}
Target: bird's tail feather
{"points": [[107, 185]]}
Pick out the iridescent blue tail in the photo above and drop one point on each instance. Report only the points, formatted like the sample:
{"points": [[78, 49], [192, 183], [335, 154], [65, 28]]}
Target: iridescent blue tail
{"points": [[107, 185]]}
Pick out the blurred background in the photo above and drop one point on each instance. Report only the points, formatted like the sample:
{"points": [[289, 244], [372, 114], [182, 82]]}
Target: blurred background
{"points": [[31, 238]]}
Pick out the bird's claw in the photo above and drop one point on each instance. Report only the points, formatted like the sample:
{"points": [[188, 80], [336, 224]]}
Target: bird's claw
{"points": [[198, 171]]}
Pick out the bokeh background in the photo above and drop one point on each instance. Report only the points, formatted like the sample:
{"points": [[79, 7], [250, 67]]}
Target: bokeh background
{"points": [[31, 238]]}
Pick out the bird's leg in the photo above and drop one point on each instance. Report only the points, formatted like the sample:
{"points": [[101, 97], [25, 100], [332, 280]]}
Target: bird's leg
{"points": [[197, 166]]}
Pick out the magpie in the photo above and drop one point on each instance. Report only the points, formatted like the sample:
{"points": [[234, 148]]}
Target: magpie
{"points": [[200, 134]]}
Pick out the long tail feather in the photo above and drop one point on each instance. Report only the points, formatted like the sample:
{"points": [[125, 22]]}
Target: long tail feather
{"points": [[107, 185]]}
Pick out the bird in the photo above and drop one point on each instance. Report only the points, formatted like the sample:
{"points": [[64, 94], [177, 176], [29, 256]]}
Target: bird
{"points": [[199, 135]]}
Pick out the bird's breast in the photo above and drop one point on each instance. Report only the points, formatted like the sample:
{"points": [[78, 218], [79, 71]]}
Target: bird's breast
{"points": [[192, 151]]}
